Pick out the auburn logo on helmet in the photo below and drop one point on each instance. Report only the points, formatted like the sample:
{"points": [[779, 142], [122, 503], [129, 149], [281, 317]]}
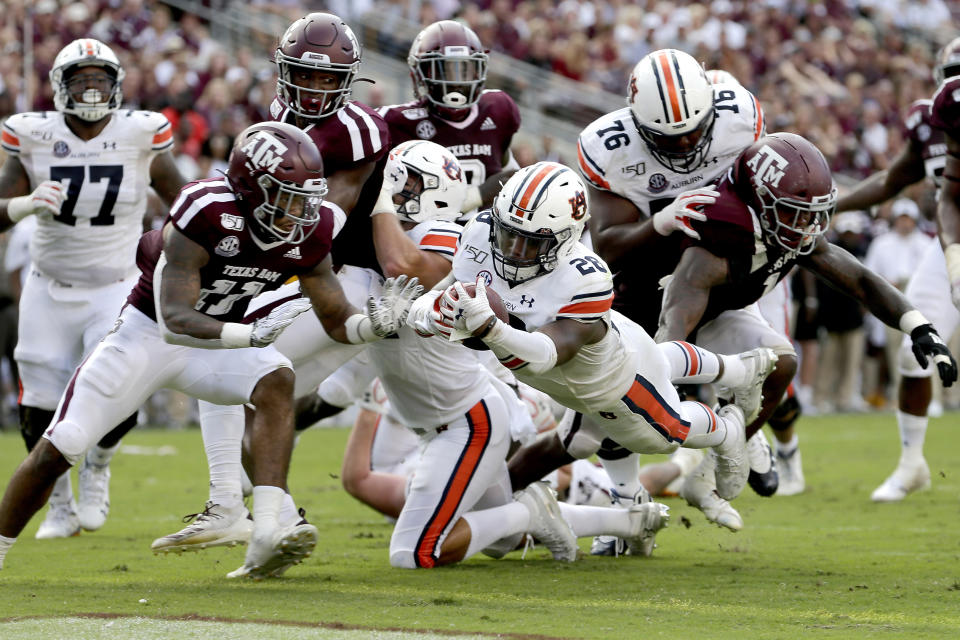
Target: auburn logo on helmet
{"points": [[451, 168], [579, 205]]}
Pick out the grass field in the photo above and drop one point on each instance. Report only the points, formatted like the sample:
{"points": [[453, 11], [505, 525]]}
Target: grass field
{"points": [[828, 563]]}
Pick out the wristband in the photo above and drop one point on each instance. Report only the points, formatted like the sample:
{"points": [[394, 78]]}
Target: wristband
{"points": [[487, 328], [952, 254], [359, 329], [234, 335], [19, 208], [911, 320]]}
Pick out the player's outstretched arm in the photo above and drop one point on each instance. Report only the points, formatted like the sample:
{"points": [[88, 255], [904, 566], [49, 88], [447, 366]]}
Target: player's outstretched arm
{"points": [[346, 185], [846, 274], [382, 491], [615, 225], [905, 170], [688, 291], [165, 178]]}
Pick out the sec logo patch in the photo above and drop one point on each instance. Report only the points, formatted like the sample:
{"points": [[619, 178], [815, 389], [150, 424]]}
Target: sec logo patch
{"points": [[658, 182], [426, 130]]}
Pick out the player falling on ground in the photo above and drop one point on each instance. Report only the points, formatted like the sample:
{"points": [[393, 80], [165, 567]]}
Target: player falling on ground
{"points": [[574, 348], [925, 155], [225, 240], [89, 164]]}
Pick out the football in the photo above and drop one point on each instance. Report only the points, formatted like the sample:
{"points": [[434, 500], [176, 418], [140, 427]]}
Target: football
{"points": [[496, 305]]}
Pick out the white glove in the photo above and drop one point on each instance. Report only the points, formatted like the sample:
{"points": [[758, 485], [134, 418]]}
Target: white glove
{"points": [[389, 311], [677, 215], [267, 329], [466, 314], [394, 176], [46, 198], [425, 319]]}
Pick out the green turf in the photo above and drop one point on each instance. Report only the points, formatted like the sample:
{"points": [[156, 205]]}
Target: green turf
{"points": [[828, 563]]}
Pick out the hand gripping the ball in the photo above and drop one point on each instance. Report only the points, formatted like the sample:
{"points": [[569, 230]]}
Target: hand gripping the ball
{"points": [[389, 311], [927, 343], [425, 317], [467, 314], [677, 215], [267, 329]]}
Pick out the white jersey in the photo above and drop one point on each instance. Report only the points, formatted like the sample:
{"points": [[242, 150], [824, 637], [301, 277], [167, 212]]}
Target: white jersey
{"points": [[430, 382], [580, 288], [93, 240], [613, 157]]}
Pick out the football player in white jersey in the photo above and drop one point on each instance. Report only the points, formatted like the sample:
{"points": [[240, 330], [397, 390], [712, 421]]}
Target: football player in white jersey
{"points": [[89, 165], [574, 347]]}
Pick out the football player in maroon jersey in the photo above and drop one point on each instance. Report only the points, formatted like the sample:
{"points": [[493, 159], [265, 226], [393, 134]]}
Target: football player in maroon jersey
{"points": [[925, 155], [226, 239], [448, 66]]}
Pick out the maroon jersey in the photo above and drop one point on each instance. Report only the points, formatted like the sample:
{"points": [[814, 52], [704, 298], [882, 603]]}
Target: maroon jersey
{"points": [[926, 139], [479, 142], [240, 265]]}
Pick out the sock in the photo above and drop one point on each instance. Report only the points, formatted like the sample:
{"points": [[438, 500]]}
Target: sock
{"points": [[62, 490], [222, 431], [689, 364], [594, 521], [266, 508], [489, 525], [707, 429], [625, 474], [100, 457], [288, 511], [5, 544], [787, 449], [913, 430], [734, 372]]}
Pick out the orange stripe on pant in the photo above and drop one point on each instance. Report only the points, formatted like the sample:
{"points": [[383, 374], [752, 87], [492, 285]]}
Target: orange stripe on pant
{"points": [[644, 400], [479, 420]]}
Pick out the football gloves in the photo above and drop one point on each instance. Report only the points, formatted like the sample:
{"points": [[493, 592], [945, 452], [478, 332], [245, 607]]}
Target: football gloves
{"points": [[388, 311], [267, 329], [466, 314], [928, 344], [46, 198], [677, 215]]}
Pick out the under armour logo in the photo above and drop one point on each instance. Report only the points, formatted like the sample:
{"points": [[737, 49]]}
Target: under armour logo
{"points": [[529, 303], [459, 314], [109, 145]]}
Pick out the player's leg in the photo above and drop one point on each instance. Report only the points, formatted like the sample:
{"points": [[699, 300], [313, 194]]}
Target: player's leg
{"points": [[929, 291]]}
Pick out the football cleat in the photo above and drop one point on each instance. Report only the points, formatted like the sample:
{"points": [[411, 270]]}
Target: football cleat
{"points": [[611, 545], [647, 518], [763, 478], [732, 467], [215, 526], [93, 495], [699, 490], [546, 522], [759, 363], [271, 554], [790, 468], [905, 479], [61, 521]]}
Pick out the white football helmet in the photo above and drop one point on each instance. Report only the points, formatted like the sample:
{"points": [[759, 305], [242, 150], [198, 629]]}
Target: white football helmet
{"points": [[96, 103], [538, 218], [948, 62], [719, 76], [672, 104], [435, 188]]}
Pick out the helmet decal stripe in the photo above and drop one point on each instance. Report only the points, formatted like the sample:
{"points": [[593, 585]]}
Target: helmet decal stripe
{"points": [[683, 90], [673, 115], [530, 192], [531, 174]]}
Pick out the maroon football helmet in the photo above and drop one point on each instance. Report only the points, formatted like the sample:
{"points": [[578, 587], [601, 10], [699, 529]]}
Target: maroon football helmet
{"points": [[790, 184], [948, 62], [276, 171], [319, 43], [448, 65]]}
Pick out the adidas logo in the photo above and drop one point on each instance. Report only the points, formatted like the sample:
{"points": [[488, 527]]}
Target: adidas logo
{"points": [[487, 124], [293, 253]]}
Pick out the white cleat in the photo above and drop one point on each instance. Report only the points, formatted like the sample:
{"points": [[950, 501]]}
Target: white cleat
{"points": [[270, 555], [93, 495], [612, 545], [212, 527], [61, 522], [904, 480], [699, 490], [546, 521], [647, 517], [759, 363], [732, 466], [763, 478], [790, 470]]}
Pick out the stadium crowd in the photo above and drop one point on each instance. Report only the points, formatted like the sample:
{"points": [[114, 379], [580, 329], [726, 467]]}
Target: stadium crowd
{"points": [[842, 74]]}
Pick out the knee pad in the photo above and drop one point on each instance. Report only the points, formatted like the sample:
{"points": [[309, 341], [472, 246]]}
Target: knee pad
{"points": [[610, 450], [577, 441], [70, 440], [33, 422], [402, 559], [785, 414]]}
